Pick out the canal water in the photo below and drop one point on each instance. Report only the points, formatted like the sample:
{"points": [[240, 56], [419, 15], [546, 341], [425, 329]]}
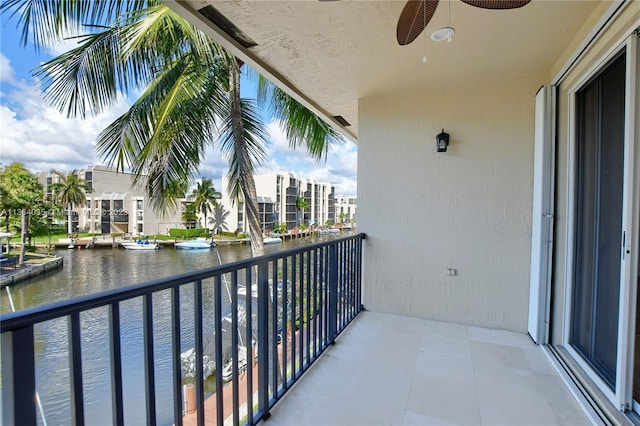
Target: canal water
{"points": [[93, 271]]}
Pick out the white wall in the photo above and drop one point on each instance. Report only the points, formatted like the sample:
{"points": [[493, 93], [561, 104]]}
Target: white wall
{"points": [[468, 209]]}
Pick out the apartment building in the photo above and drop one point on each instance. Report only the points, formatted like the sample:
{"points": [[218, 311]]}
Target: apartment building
{"points": [[347, 206], [116, 204], [277, 195]]}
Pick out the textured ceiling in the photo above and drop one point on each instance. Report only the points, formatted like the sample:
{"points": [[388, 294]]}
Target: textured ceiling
{"points": [[334, 53]]}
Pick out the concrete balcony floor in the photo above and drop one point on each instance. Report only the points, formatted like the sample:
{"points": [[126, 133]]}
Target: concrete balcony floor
{"points": [[394, 370]]}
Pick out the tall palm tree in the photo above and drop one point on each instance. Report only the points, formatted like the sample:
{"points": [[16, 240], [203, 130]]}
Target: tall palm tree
{"points": [[189, 216], [301, 204], [189, 95], [204, 198], [70, 191]]}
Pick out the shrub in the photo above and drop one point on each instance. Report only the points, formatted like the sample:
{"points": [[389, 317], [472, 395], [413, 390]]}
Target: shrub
{"points": [[232, 234], [189, 233]]}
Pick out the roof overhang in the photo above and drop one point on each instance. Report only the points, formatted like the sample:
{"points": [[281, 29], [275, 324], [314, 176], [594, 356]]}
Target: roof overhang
{"points": [[331, 54]]}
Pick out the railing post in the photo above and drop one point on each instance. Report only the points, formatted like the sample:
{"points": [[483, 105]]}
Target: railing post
{"points": [[117, 405], [333, 293], [75, 370], [176, 362], [18, 377], [263, 339], [149, 359]]}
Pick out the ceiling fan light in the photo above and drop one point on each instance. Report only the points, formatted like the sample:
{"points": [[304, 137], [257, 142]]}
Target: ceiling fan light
{"points": [[442, 34]]}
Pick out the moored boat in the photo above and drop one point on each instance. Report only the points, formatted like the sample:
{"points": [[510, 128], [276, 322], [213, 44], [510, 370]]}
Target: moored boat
{"points": [[140, 245], [271, 240], [195, 245]]}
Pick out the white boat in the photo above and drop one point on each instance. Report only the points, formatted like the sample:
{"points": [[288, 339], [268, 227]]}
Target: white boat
{"points": [[195, 245], [329, 231], [271, 240], [139, 245]]}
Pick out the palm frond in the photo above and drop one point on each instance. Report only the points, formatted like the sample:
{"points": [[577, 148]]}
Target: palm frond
{"points": [[164, 135], [87, 78], [303, 127], [252, 149], [126, 56], [45, 21]]}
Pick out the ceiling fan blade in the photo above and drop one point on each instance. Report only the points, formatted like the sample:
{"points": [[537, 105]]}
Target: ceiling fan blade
{"points": [[497, 4], [414, 18]]}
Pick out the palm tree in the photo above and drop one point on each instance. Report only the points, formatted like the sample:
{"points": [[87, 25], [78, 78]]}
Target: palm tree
{"points": [[189, 216], [189, 95], [341, 216], [204, 198], [69, 191], [301, 204]]}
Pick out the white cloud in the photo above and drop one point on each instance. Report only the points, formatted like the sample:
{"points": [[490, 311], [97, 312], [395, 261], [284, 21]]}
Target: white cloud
{"points": [[339, 169], [7, 74], [40, 137], [63, 46]]}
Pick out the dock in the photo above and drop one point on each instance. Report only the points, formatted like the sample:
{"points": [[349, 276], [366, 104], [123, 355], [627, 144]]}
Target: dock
{"points": [[210, 403], [11, 274]]}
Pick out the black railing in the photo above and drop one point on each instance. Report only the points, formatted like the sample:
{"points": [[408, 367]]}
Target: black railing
{"points": [[270, 317]]}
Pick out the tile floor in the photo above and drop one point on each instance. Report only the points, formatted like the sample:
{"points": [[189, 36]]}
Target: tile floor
{"points": [[393, 370]]}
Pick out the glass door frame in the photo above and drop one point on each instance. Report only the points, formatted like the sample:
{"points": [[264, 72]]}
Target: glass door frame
{"points": [[621, 396], [631, 249]]}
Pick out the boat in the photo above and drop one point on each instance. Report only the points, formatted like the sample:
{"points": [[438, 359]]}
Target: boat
{"points": [[271, 240], [195, 244], [329, 231], [188, 357], [140, 245]]}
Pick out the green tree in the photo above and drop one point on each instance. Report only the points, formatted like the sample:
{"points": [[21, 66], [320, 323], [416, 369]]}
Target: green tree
{"points": [[205, 198], [189, 95], [301, 205], [5, 206], [190, 216], [280, 228], [23, 194], [341, 216], [70, 191]]}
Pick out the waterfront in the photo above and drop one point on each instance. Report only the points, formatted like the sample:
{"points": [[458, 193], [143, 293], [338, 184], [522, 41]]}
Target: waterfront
{"points": [[92, 271]]}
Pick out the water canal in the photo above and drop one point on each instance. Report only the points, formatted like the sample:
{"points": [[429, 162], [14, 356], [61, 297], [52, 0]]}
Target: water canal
{"points": [[93, 271]]}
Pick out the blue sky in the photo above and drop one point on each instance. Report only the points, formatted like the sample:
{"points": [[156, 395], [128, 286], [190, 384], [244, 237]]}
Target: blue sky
{"points": [[36, 135]]}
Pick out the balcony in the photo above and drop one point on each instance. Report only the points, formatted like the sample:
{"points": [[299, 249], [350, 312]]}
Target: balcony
{"points": [[387, 369], [260, 322], [350, 366]]}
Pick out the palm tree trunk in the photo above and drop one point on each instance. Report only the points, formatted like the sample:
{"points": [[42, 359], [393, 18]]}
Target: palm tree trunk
{"points": [[69, 224], [23, 237], [249, 189], [242, 155]]}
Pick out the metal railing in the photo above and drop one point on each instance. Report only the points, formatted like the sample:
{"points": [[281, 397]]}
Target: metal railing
{"points": [[270, 318]]}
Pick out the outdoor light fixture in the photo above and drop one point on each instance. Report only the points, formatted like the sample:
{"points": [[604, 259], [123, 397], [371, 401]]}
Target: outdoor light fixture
{"points": [[442, 141]]}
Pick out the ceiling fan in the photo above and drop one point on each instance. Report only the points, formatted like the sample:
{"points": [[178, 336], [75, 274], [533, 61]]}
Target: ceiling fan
{"points": [[417, 13]]}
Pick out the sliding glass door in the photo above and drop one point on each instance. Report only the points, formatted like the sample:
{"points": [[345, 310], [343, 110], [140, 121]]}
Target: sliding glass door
{"points": [[600, 107]]}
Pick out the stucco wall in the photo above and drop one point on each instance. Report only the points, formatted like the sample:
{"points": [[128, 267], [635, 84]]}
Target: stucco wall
{"points": [[468, 209]]}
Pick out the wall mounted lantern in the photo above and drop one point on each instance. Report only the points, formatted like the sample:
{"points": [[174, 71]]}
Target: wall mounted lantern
{"points": [[442, 141]]}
